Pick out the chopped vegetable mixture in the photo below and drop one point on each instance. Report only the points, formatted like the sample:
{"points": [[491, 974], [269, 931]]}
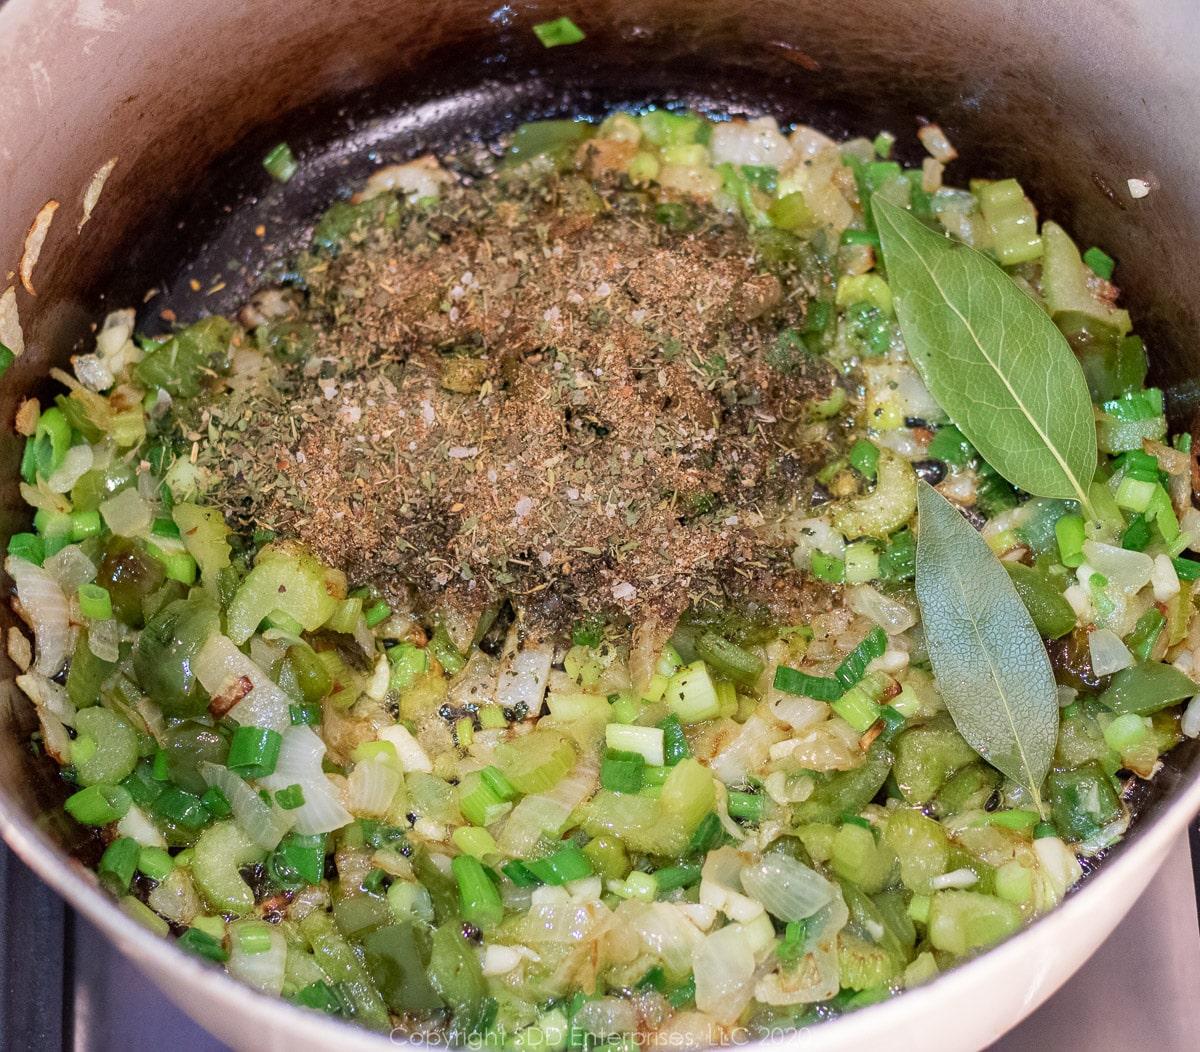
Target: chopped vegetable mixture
{"points": [[519, 626]]}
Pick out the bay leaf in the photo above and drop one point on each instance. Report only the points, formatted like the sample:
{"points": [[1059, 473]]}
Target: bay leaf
{"points": [[992, 669], [991, 358]]}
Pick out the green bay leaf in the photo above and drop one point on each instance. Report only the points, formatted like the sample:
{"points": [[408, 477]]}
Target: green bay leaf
{"points": [[991, 357], [992, 669]]}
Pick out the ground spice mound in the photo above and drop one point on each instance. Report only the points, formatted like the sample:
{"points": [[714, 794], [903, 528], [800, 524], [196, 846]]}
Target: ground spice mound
{"points": [[538, 392]]}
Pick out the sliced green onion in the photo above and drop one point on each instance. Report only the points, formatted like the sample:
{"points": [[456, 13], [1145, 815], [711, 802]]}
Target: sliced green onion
{"points": [[645, 741], [673, 877], [854, 666], [119, 861], [864, 456], [560, 31], [746, 806], [202, 944], [95, 602], [254, 752], [447, 654], [155, 863], [709, 835], [280, 163], [181, 808], [1186, 569], [565, 865], [307, 713], [519, 874], [85, 524], [1016, 819], [290, 797], [377, 614], [683, 995], [97, 805], [1137, 535], [1101, 262], [1070, 535], [622, 772], [251, 936], [480, 898], [828, 568], [793, 681], [675, 746], [729, 659], [859, 706], [27, 546], [216, 802], [160, 769]]}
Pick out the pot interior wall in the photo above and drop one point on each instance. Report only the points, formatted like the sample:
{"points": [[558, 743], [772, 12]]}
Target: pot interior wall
{"points": [[189, 96]]}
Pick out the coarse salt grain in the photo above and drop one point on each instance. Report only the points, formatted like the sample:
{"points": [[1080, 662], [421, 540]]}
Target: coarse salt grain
{"points": [[462, 452], [623, 590], [1138, 188], [524, 507]]}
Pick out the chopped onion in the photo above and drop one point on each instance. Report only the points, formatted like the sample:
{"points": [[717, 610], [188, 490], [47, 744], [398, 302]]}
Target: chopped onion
{"points": [[664, 931], [373, 786], [724, 970], [176, 898], [127, 514], [787, 888], [33, 243], [263, 823], [935, 141], [891, 615], [410, 752], [70, 568], [137, 825], [524, 672], [548, 813], [220, 666], [1108, 653], [423, 177], [745, 754], [76, 464], [94, 188], [300, 757], [1190, 724], [606, 1017], [55, 713], [756, 142], [264, 971], [1126, 570], [46, 610], [10, 323]]}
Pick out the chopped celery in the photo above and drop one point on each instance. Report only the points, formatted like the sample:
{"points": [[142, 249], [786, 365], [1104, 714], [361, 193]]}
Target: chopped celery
{"points": [[285, 577], [691, 694], [537, 761], [966, 920]]}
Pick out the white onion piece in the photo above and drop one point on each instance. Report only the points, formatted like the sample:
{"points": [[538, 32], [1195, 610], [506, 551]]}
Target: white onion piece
{"points": [[127, 514], [411, 754], [76, 464], [70, 568], [10, 323], [606, 1017], [787, 888], [423, 177], [797, 712], [46, 610], [892, 616], [263, 823], [373, 786], [756, 142], [137, 825], [55, 713], [524, 673], [664, 931], [549, 812], [1126, 570], [1190, 724], [299, 763], [747, 752], [1108, 653], [220, 667], [176, 898], [724, 970], [263, 971]]}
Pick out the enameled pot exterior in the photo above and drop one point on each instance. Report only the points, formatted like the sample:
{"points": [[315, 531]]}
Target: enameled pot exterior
{"points": [[1075, 98]]}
